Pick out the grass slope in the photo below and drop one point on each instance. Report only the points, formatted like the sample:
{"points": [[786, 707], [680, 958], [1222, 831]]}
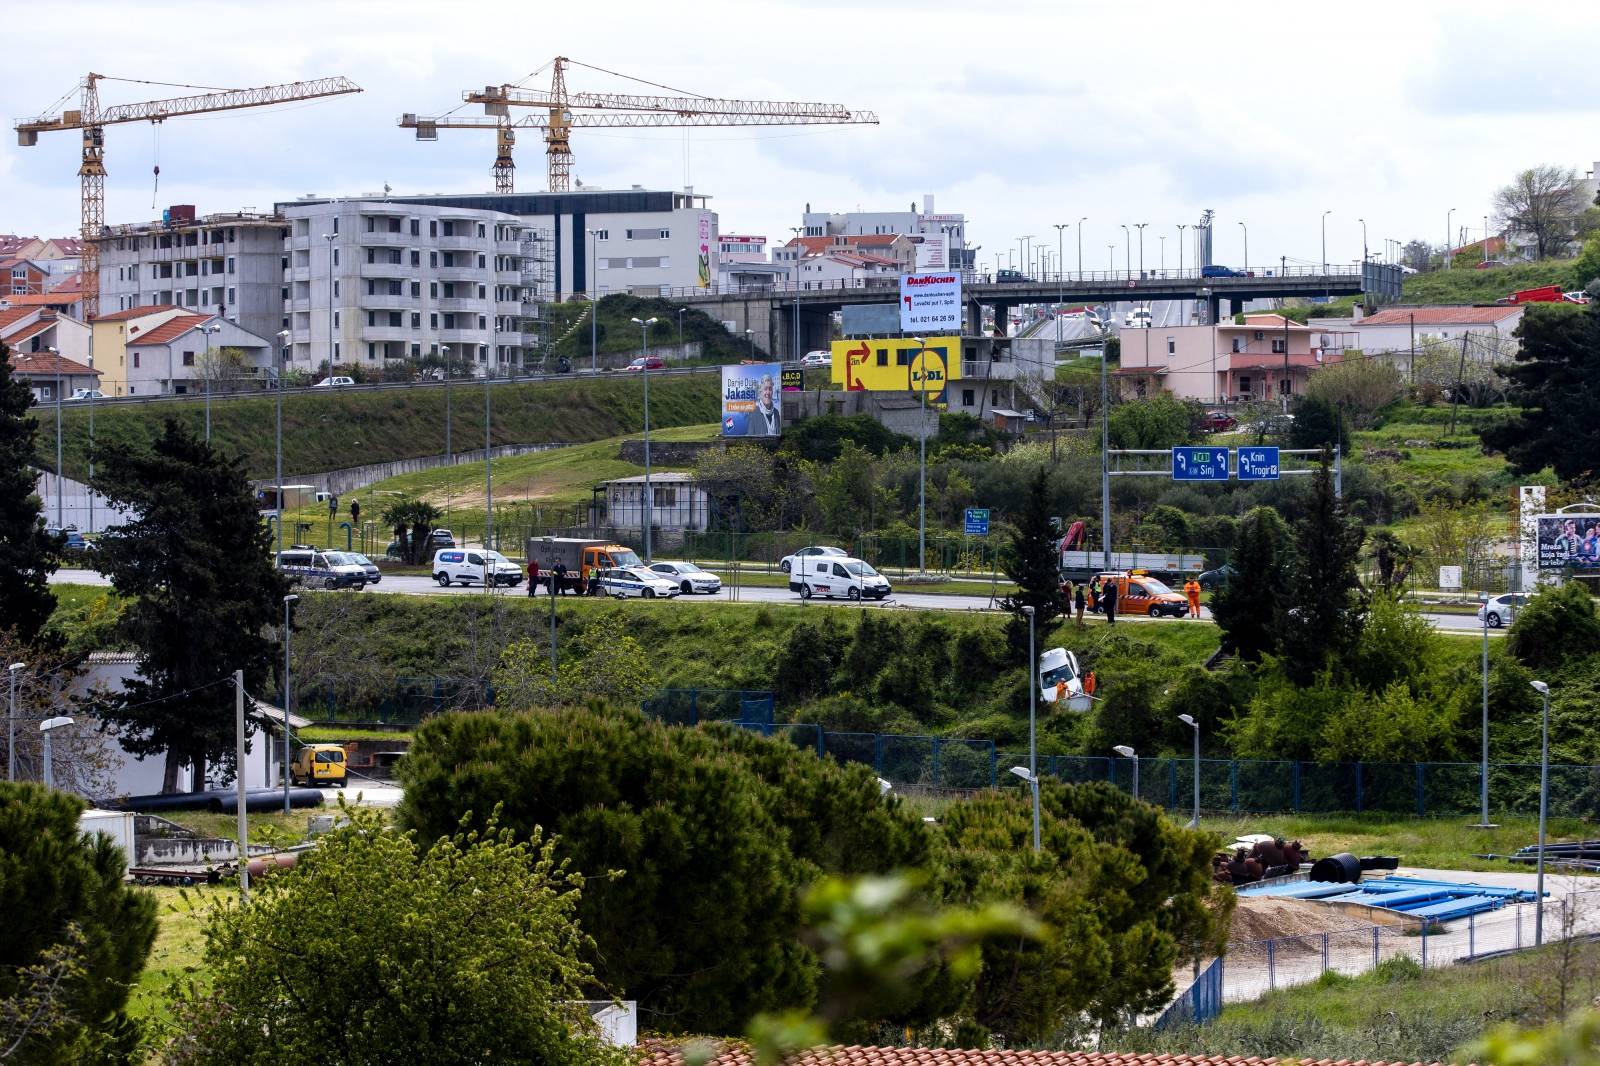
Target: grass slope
{"points": [[334, 429], [1484, 286], [618, 337]]}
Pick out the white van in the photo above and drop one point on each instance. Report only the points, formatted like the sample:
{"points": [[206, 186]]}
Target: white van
{"points": [[836, 575], [1061, 679], [474, 567], [320, 569]]}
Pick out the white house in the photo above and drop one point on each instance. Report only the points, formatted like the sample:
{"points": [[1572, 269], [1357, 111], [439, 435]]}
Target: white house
{"points": [[1392, 333], [170, 357], [678, 503]]}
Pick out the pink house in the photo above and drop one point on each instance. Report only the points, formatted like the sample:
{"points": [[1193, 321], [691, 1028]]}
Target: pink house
{"points": [[1266, 357]]}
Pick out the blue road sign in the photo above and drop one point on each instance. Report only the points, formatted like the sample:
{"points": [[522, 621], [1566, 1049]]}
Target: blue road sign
{"points": [[977, 521], [1258, 464], [1199, 464]]}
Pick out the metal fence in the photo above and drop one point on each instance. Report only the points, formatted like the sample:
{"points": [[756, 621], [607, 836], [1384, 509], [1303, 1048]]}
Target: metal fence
{"points": [[1197, 1004]]}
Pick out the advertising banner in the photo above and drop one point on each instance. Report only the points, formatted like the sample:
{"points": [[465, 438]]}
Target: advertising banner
{"points": [[930, 302], [933, 253], [898, 364], [750, 400], [1568, 540]]}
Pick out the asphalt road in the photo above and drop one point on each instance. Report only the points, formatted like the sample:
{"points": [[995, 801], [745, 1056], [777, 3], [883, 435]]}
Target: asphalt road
{"points": [[924, 601]]}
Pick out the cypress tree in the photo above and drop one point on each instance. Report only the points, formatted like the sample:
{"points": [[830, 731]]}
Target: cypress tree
{"points": [[27, 556]]}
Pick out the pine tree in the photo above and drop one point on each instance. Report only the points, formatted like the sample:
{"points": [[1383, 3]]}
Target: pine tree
{"points": [[196, 562], [1029, 559], [1557, 378], [1327, 605], [27, 557], [1249, 607]]}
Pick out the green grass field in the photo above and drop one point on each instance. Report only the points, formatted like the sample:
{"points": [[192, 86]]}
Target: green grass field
{"points": [[1457, 286]]}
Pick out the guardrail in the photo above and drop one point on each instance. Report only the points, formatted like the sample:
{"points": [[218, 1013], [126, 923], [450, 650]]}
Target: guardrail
{"points": [[378, 386]]}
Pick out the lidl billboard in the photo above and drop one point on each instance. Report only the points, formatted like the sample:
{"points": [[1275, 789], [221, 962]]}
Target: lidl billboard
{"points": [[898, 364]]}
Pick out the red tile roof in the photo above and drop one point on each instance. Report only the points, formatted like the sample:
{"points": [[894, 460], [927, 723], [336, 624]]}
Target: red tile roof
{"points": [[42, 299], [136, 312], [73, 285], [49, 365], [10, 315], [1439, 316], [169, 330], [667, 1053], [32, 329]]}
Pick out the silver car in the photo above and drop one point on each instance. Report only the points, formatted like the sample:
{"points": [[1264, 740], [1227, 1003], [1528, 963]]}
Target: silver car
{"points": [[690, 578], [1500, 610]]}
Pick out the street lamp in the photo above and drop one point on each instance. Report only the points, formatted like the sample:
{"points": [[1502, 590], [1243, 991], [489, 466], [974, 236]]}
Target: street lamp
{"points": [[1162, 237], [750, 336], [1181, 227], [679, 313], [644, 372], [1325, 215], [1189, 721], [488, 454], [1127, 249], [1128, 753], [1447, 215], [1544, 805], [60, 484], [1081, 221], [46, 727], [210, 331], [1033, 748], [11, 723], [1033, 782], [1363, 242], [1061, 285], [922, 455], [594, 300], [288, 696], [277, 389], [1246, 230], [794, 284], [1140, 227]]}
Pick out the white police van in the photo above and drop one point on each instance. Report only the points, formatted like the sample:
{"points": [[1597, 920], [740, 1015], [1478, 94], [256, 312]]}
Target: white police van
{"points": [[319, 569], [474, 567], [837, 575]]}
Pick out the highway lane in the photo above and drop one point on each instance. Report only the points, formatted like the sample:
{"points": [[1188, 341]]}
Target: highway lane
{"points": [[905, 598]]}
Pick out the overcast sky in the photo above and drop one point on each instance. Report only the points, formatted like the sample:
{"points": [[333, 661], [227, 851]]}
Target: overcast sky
{"points": [[1018, 114]]}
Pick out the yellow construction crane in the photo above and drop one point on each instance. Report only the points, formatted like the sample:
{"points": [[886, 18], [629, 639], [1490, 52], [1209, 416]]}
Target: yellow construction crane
{"points": [[559, 112], [92, 120]]}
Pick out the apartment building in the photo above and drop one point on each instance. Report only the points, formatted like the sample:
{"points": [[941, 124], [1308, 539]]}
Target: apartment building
{"points": [[387, 279], [222, 264], [1265, 357], [943, 236], [600, 241]]}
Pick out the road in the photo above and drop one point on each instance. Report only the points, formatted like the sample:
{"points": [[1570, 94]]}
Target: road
{"points": [[415, 585]]}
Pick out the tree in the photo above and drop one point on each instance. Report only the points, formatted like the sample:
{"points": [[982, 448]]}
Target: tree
{"points": [[1319, 423], [195, 560], [67, 911], [714, 831], [1161, 421], [1248, 607], [1393, 557], [1418, 255], [603, 661], [412, 522], [847, 489], [741, 485], [1363, 388], [1557, 626], [1586, 268], [1029, 558], [378, 949], [1557, 378], [1326, 605], [27, 555], [1541, 201]]}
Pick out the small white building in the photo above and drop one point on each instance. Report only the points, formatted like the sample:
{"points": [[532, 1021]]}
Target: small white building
{"points": [[677, 503], [1391, 333], [35, 327], [171, 357], [51, 376]]}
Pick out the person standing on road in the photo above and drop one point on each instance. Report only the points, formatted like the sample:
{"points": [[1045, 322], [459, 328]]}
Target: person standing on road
{"points": [[1077, 603], [533, 577], [558, 579], [1108, 593], [1191, 588]]}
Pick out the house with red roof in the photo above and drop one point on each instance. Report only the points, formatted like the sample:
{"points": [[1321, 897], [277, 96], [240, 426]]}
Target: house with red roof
{"points": [[175, 356], [895, 247], [1395, 332], [733, 1053], [51, 375], [1266, 357], [31, 327]]}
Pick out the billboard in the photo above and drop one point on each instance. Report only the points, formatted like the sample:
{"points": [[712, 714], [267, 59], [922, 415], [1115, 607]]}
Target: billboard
{"points": [[930, 302], [933, 253], [1568, 540], [898, 364], [750, 406], [708, 237]]}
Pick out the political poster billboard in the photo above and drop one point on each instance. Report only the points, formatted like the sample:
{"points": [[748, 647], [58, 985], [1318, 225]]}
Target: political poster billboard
{"points": [[930, 303], [751, 404], [1568, 541]]}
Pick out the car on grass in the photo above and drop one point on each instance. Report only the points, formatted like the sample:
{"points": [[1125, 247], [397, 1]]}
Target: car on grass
{"points": [[787, 563], [335, 382], [813, 360], [690, 578], [1500, 610], [474, 567], [637, 581]]}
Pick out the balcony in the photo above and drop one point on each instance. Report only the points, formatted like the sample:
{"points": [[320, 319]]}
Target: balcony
{"points": [[386, 302], [988, 370], [380, 334], [461, 303], [472, 244], [385, 240], [462, 273], [383, 270]]}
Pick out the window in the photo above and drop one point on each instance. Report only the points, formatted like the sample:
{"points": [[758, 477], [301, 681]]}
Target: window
{"points": [[372, 351], [188, 359], [480, 229], [416, 258], [416, 290], [883, 357], [433, 259], [336, 288], [372, 318], [416, 320], [232, 296], [336, 320], [433, 321], [482, 292], [433, 227], [336, 257], [336, 351], [230, 264], [397, 319], [1285, 387], [994, 397], [902, 357], [1244, 385], [1279, 346], [483, 322], [602, 235], [416, 228], [336, 223], [1172, 346], [136, 360], [1238, 344], [482, 262], [372, 224], [968, 398]]}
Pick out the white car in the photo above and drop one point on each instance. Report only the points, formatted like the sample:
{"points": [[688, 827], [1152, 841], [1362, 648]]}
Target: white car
{"points": [[637, 581], [474, 567], [1061, 679], [1501, 609], [690, 578], [87, 394], [786, 564], [1138, 318], [334, 383], [816, 359]]}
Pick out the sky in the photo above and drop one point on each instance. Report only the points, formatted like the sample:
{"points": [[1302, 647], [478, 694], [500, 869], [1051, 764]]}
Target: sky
{"points": [[1022, 115]]}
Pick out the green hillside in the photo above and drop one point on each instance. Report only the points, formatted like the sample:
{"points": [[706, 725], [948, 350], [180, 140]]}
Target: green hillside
{"points": [[619, 336], [1485, 286]]}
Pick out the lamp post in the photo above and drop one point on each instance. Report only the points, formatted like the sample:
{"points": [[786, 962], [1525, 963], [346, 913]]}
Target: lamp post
{"points": [[644, 372], [922, 457], [1127, 249], [94, 387], [1447, 215], [60, 483], [277, 389], [1081, 221], [1022, 251], [210, 331], [46, 727], [1061, 285], [1246, 230], [1140, 227], [329, 237], [794, 284], [1128, 753], [1325, 215], [288, 696], [750, 336], [1181, 227], [1189, 721], [1162, 237], [1483, 766], [1033, 747], [1544, 805], [488, 458], [1111, 258], [594, 300], [11, 723], [1363, 242], [679, 313], [1485, 238]]}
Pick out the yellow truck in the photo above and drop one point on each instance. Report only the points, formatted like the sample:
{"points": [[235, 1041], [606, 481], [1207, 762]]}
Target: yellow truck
{"points": [[318, 764]]}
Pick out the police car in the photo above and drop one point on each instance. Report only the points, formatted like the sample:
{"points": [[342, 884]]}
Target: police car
{"points": [[318, 569], [636, 581]]}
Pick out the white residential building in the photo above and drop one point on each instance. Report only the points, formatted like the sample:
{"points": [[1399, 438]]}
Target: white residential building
{"points": [[223, 264], [1390, 333], [170, 357], [924, 226], [843, 270]]}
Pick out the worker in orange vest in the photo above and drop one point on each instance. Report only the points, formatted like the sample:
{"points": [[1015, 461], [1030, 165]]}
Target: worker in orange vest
{"points": [[1088, 683], [1191, 588]]}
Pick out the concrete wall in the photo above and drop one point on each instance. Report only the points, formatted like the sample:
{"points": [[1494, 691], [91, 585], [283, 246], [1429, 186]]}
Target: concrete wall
{"points": [[354, 477], [674, 452]]}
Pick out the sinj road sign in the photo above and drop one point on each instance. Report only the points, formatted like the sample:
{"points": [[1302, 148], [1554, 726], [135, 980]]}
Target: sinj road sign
{"points": [[977, 521], [1199, 464]]}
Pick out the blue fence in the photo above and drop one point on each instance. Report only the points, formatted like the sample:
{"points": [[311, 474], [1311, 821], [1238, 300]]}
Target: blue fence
{"points": [[1199, 1003]]}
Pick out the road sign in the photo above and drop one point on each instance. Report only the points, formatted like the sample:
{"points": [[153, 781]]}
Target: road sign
{"points": [[977, 521], [1199, 464], [1258, 464]]}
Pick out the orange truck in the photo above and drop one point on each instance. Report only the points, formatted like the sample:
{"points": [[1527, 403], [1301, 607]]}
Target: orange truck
{"points": [[579, 556], [1139, 593]]}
